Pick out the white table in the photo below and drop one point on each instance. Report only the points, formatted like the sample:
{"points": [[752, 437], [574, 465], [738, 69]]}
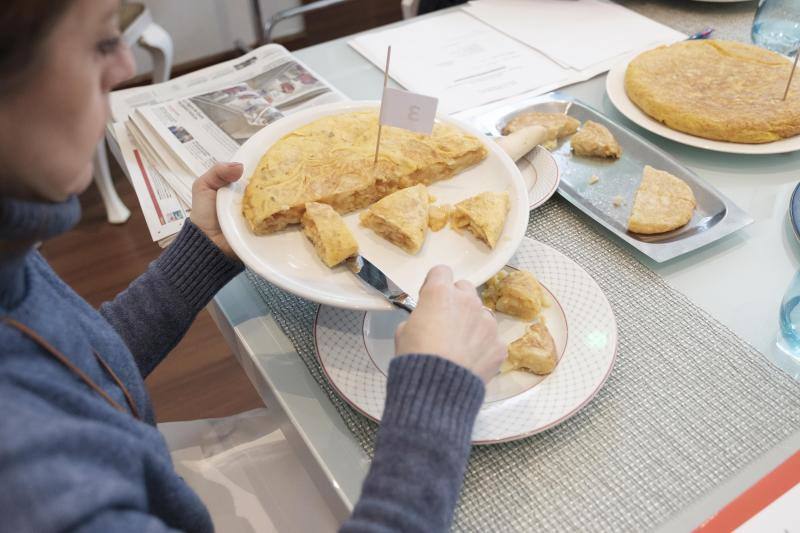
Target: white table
{"points": [[739, 280]]}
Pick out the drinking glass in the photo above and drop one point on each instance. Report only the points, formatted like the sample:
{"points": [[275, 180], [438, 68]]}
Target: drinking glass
{"points": [[777, 25], [787, 353]]}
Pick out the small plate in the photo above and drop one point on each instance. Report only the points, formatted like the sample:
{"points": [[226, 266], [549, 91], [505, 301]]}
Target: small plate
{"points": [[354, 350], [615, 87], [540, 172], [288, 260]]}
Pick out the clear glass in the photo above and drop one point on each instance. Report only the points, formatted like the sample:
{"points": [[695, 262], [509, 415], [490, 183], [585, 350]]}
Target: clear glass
{"points": [[787, 353], [777, 25]]}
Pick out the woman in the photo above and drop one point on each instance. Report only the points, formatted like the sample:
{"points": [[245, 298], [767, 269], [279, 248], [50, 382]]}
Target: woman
{"points": [[79, 450]]}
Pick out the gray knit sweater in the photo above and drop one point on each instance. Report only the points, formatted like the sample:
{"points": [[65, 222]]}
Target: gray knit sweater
{"points": [[71, 462]]}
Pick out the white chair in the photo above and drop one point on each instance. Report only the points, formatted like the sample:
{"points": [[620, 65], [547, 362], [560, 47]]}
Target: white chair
{"points": [[410, 8], [137, 28]]}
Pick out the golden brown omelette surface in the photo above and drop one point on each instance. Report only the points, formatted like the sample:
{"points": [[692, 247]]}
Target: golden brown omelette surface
{"points": [[331, 161], [401, 218], [720, 90], [663, 202]]}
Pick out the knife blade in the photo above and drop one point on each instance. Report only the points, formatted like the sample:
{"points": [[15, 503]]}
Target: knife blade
{"points": [[372, 276]]}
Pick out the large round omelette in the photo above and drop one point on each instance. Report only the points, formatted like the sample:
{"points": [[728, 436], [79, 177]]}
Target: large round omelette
{"points": [[720, 90]]}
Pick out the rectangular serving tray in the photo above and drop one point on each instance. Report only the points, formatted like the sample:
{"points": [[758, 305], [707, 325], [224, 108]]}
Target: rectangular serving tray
{"points": [[715, 216]]}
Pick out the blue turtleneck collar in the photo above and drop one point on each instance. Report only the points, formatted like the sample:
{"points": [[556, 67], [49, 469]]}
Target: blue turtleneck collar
{"points": [[23, 223]]}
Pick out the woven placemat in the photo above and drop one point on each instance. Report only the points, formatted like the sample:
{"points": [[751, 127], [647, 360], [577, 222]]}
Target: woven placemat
{"points": [[687, 405]]}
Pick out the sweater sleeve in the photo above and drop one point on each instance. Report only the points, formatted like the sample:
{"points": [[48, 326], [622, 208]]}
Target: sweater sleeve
{"points": [[422, 447], [155, 311]]}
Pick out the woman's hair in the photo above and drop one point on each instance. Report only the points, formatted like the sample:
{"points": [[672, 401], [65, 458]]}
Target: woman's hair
{"points": [[24, 26]]}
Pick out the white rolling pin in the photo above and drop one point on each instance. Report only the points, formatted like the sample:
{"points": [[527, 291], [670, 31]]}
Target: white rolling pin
{"points": [[522, 141]]}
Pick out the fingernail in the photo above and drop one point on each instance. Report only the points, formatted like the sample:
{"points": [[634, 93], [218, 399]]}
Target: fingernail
{"points": [[234, 165]]}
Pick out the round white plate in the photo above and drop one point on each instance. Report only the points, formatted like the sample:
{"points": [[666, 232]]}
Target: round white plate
{"points": [[355, 348], [540, 172], [288, 260], [615, 87]]}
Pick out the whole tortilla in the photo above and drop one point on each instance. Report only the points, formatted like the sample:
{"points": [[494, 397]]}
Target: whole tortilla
{"points": [[719, 90]]}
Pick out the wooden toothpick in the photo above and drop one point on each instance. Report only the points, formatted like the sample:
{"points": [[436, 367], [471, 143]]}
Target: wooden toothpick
{"points": [[385, 82], [794, 67]]}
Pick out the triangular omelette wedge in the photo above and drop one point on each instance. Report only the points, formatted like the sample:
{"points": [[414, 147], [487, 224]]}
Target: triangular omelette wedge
{"points": [[483, 215], [516, 293], [328, 233], [401, 218], [663, 203], [595, 140], [331, 161], [534, 352]]}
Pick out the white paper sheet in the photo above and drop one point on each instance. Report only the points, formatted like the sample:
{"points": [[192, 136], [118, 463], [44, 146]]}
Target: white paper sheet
{"points": [[460, 60], [577, 33], [247, 474]]}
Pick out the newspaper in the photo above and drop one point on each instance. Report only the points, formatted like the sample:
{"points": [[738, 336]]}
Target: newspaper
{"points": [[172, 132], [205, 128], [164, 212]]}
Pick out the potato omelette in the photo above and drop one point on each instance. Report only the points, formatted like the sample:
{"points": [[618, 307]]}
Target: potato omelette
{"points": [[331, 161], [720, 90]]}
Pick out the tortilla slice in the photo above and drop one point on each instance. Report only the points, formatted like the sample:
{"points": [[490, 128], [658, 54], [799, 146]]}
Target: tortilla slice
{"points": [[516, 293], [328, 233], [534, 352], [401, 218], [483, 215], [595, 140], [662, 203]]}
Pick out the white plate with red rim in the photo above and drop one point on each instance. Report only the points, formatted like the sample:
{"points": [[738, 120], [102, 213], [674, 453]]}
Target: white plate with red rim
{"points": [[288, 260], [540, 172], [355, 348]]}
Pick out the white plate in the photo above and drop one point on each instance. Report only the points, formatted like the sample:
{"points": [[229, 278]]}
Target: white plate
{"points": [[355, 348], [540, 172], [615, 87], [288, 260]]}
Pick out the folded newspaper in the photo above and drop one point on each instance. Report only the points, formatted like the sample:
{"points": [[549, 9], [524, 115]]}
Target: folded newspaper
{"points": [[172, 132]]}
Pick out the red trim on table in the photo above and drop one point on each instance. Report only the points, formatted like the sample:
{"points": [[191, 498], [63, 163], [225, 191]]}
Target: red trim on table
{"points": [[756, 498], [149, 187]]}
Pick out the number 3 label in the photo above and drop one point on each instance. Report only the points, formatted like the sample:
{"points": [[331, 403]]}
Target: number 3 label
{"points": [[415, 112]]}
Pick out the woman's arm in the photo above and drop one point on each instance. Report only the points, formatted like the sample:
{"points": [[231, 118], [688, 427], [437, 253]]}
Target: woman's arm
{"points": [[422, 447], [431, 403], [155, 311]]}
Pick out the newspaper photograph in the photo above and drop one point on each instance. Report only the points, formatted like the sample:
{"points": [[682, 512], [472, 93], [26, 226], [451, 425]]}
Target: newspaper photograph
{"points": [[125, 101], [209, 127]]}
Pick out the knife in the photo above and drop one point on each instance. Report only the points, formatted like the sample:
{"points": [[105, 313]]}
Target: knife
{"points": [[372, 276]]}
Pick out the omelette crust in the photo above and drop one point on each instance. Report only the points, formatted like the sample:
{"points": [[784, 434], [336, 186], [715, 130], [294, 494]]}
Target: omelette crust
{"points": [[331, 161], [719, 90]]}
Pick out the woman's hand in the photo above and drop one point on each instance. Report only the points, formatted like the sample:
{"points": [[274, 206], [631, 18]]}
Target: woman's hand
{"points": [[451, 322], [204, 201]]}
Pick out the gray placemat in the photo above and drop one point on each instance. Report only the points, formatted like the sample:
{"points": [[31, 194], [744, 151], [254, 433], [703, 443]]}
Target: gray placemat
{"points": [[687, 404]]}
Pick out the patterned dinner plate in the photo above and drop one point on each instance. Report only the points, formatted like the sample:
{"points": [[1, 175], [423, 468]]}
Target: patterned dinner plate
{"points": [[541, 175], [355, 348]]}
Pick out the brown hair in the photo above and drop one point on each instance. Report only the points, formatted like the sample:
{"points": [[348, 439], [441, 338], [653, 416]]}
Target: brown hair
{"points": [[24, 26]]}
